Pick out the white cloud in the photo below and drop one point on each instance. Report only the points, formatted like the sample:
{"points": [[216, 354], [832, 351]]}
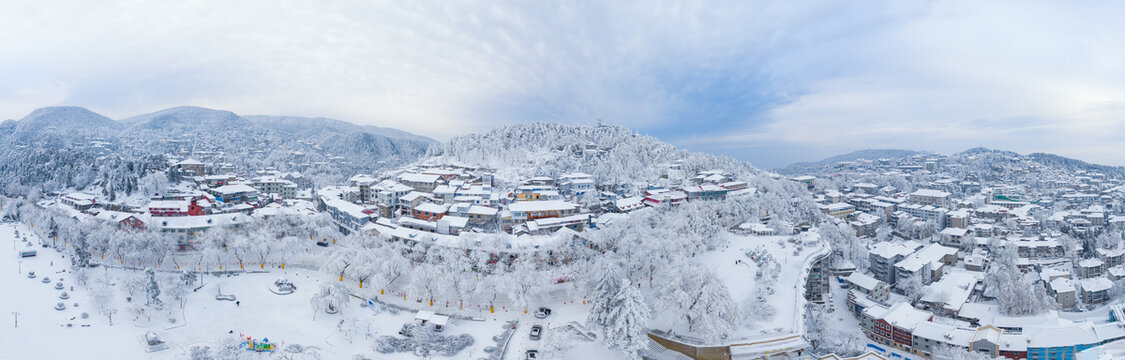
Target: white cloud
{"points": [[804, 77]]}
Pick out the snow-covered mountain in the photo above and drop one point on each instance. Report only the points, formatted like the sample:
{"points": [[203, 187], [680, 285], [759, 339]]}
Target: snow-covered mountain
{"points": [[869, 154], [306, 126], [73, 136], [612, 154]]}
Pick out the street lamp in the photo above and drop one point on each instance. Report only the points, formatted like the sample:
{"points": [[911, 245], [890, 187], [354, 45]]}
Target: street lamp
{"points": [[16, 315]]}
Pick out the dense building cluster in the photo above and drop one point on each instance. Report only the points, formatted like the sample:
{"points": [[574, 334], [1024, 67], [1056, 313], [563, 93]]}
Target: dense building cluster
{"points": [[980, 251]]}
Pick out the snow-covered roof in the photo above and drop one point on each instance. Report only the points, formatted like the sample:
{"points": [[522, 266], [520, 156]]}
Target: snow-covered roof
{"points": [[629, 203], [419, 178], [1095, 284], [904, 316], [1091, 263], [197, 222], [414, 195], [930, 193], [547, 205], [189, 162], [431, 208], [456, 222], [863, 280], [943, 333], [181, 205], [953, 290], [233, 189], [1063, 336], [1062, 284], [888, 249], [952, 231], [482, 210]]}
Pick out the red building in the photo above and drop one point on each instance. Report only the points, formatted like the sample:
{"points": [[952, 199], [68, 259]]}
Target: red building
{"points": [[164, 208], [430, 211], [133, 222]]}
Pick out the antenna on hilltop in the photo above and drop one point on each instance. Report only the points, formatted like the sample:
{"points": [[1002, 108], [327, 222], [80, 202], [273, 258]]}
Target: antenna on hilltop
{"points": [[600, 122]]}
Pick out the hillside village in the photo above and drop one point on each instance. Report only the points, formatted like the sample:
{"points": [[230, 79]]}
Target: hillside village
{"points": [[986, 251], [983, 252]]}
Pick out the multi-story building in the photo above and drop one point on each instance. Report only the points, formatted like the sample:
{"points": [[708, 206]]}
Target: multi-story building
{"points": [[840, 210], [420, 182], [365, 184], [276, 185], [1095, 290], [936, 198], [190, 167], [705, 192], [884, 255], [166, 208], [236, 193], [894, 326]]}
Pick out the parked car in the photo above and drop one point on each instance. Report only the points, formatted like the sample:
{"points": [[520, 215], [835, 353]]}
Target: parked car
{"points": [[321, 244], [532, 355], [543, 313], [536, 332]]}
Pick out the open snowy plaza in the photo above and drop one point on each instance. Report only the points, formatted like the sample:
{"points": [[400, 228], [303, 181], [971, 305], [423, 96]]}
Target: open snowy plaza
{"points": [[82, 328]]}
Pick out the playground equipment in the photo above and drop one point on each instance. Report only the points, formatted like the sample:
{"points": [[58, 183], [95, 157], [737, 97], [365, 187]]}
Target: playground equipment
{"points": [[258, 346]]}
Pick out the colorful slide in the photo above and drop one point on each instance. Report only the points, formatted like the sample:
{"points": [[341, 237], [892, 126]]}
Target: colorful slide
{"points": [[259, 346]]}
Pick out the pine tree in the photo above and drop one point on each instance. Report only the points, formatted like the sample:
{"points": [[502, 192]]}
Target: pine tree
{"points": [[52, 229], [152, 288], [628, 319], [81, 256], [604, 298]]}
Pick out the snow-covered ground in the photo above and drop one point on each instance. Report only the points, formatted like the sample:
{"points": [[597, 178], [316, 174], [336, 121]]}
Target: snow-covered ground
{"points": [[46, 333], [737, 270]]}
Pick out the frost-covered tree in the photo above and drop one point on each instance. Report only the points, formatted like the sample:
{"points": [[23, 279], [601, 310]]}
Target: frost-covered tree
{"points": [[330, 296], [152, 288], [1015, 293], [604, 296], [702, 301], [81, 256], [339, 262], [628, 319], [827, 336]]}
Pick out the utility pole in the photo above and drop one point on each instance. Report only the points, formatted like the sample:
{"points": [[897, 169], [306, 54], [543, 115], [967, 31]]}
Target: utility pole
{"points": [[16, 315]]}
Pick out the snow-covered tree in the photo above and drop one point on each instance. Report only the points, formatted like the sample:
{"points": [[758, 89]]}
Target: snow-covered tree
{"points": [[604, 296], [628, 319], [330, 296], [81, 256], [152, 288], [1015, 293], [702, 301]]}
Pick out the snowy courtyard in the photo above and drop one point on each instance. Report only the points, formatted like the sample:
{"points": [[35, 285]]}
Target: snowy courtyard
{"points": [[82, 329]]}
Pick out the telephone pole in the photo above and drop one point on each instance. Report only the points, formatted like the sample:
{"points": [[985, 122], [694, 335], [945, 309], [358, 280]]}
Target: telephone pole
{"points": [[16, 315]]}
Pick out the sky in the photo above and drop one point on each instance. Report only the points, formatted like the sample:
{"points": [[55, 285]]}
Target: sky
{"points": [[770, 82]]}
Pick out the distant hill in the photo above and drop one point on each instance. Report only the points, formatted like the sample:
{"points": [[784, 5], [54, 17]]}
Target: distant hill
{"points": [[306, 126], [984, 150], [76, 137], [612, 154], [869, 154], [1074, 164], [1050, 160]]}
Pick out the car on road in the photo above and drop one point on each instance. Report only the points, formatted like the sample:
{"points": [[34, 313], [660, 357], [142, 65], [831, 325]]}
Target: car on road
{"points": [[532, 355], [321, 244], [543, 313], [536, 332]]}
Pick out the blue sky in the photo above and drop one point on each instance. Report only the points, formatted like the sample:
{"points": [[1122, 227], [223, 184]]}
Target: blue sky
{"points": [[771, 82]]}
